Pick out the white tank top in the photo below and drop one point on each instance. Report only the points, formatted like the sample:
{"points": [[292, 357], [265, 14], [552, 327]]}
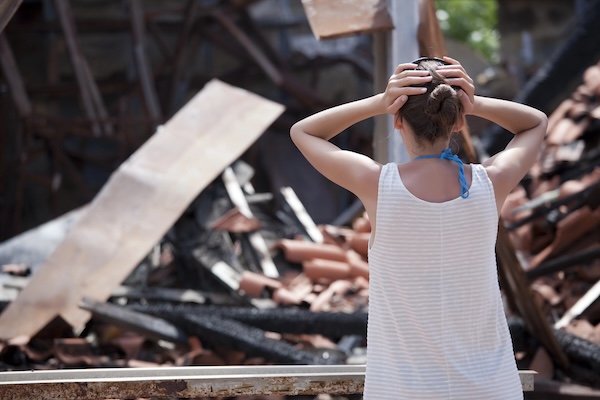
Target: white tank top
{"points": [[437, 328]]}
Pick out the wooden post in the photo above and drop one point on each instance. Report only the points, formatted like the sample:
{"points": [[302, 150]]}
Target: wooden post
{"points": [[391, 49]]}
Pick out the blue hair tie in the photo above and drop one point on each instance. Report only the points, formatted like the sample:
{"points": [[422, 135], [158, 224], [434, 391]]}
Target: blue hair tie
{"points": [[447, 155]]}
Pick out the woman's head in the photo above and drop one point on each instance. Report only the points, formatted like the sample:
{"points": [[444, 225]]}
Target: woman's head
{"points": [[434, 114]]}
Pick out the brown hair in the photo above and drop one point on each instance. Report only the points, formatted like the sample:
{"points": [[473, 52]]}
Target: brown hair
{"points": [[433, 114]]}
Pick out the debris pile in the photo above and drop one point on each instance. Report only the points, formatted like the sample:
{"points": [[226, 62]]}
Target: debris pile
{"points": [[182, 262], [554, 219]]}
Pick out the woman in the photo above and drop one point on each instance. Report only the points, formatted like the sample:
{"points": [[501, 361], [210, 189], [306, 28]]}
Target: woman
{"points": [[437, 328]]}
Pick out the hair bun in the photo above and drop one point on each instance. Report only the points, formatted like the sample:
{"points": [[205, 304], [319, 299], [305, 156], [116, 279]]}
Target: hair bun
{"points": [[436, 103]]}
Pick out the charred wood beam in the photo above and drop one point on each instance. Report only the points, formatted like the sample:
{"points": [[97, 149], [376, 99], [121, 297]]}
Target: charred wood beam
{"points": [[160, 40], [255, 53], [143, 66], [546, 389], [583, 355], [586, 164], [147, 325], [217, 330], [92, 100], [516, 287], [282, 320], [251, 26], [172, 295], [187, 29], [589, 196], [7, 10], [119, 25], [564, 262], [13, 78], [284, 79]]}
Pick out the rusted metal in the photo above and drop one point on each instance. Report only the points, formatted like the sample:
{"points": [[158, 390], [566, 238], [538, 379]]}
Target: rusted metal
{"points": [[190, 382]]}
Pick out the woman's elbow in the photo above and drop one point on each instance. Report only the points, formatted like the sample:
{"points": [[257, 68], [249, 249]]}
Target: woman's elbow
{"points": [[542, 119], [295, 133]]}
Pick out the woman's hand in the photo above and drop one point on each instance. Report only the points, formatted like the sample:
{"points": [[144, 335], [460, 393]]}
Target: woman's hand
{"points": [[399, 86], [456, 75]]}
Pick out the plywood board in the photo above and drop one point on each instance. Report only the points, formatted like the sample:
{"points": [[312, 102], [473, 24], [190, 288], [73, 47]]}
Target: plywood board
{"points": [[140, 202], [335, 18]]}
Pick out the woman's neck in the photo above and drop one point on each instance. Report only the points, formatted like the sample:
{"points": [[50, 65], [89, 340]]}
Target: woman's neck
{"points": [[426, 149]]}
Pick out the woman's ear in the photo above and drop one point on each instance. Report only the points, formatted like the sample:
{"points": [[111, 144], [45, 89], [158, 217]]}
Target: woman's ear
{"points": [[460, 124], [398, 123]]}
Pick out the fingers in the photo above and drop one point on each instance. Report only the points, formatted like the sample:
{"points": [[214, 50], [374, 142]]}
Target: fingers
{"points": [[402, 67], [409, 79], [456, 75], [467, 102], [396, 97], [450, 71], [397, 104], [451, 60], [404, 84]]}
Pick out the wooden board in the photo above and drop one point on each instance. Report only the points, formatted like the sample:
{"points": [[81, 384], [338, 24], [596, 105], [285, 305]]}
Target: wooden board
{"points": [[140, 202], [336, 18]]}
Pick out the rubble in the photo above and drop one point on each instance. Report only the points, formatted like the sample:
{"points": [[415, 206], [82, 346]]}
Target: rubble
{"points": [[552, 217], [235, 277]]}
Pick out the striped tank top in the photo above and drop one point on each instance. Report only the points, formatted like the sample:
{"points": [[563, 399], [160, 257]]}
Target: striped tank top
{"points": [[436, 327]]}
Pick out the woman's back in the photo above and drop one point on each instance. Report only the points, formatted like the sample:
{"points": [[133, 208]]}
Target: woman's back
{"points": [[436, 321]]}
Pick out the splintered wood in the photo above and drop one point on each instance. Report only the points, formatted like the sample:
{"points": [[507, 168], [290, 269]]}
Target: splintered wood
{"points": [[335, 18], [141, 201]]}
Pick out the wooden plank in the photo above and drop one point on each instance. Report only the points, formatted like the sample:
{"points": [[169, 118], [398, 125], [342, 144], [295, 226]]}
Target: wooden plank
{"points": [[191, 382], [256, 240], [301, 214], [516, 287], [141, 201], [335, 18], [7, 10], [580, 306]]}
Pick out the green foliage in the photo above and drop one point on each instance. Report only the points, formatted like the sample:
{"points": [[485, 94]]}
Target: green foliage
{"points": [[472, 22]]}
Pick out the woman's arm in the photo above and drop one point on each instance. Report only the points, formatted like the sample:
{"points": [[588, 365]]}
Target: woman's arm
{"points": [[311, 135], [507, 168], [351, 170]]}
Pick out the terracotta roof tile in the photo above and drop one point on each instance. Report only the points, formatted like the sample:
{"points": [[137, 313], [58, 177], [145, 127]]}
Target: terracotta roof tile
{"points": [[299, 251]]}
